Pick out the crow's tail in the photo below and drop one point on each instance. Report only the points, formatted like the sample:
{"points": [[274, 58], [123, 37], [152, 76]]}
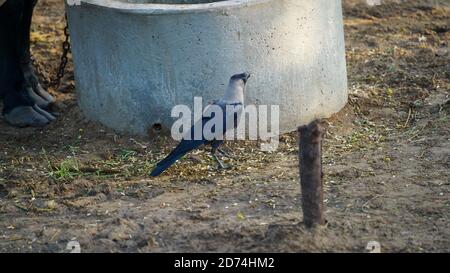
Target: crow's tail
{"points": [[166, 163], [183, 148]]}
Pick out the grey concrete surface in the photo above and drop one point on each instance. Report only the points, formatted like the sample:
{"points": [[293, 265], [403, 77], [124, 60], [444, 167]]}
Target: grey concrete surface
{"points": [[134, 60]]}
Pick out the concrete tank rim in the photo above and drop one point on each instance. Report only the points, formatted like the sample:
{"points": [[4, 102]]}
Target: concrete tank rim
{"points": [[152, 8]]}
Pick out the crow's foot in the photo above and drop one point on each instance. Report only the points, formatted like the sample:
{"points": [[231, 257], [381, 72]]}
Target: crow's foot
{"points": [[220, 163], [225, 153]]}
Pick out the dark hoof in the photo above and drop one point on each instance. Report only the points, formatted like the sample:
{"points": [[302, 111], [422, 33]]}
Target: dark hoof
{"points": [[40, 96], [44, 113], [40, 91], [38, 100], [25, 116]]}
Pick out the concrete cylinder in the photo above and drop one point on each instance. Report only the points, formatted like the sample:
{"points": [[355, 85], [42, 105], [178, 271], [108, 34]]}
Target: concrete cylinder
{"points": [[135, 59]]}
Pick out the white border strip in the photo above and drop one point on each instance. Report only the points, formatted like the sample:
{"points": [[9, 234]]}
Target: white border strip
{"points": [[150, 8]]}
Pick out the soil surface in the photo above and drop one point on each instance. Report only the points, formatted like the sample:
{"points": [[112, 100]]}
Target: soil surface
{"points": [[386, 161]]}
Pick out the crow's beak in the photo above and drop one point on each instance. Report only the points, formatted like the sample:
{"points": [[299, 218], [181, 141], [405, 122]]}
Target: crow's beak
{"points": [[246, 76]]}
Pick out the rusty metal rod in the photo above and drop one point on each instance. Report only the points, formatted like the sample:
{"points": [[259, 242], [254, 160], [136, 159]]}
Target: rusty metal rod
{"points": [[311, 175]]}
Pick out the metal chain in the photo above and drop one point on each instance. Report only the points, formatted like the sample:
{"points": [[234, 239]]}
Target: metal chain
{"points": [[64, 59]]}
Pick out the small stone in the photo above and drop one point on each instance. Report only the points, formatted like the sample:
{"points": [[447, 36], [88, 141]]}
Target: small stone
{"points": [[51, 204]]}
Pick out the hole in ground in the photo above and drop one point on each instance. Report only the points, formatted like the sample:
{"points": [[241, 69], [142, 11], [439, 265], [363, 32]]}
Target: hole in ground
{"points": [[157, 127]]}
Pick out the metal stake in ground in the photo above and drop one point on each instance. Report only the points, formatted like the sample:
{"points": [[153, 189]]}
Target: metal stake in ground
{"points": [[311, 175]]}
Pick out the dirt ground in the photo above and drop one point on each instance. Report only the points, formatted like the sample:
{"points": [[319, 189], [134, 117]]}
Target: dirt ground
{"points": [[386, 161]]}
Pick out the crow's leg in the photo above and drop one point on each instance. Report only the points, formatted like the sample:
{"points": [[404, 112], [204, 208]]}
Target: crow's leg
{"points": [[214, 155], [214, 148], [40, 96], [17, 104]]}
